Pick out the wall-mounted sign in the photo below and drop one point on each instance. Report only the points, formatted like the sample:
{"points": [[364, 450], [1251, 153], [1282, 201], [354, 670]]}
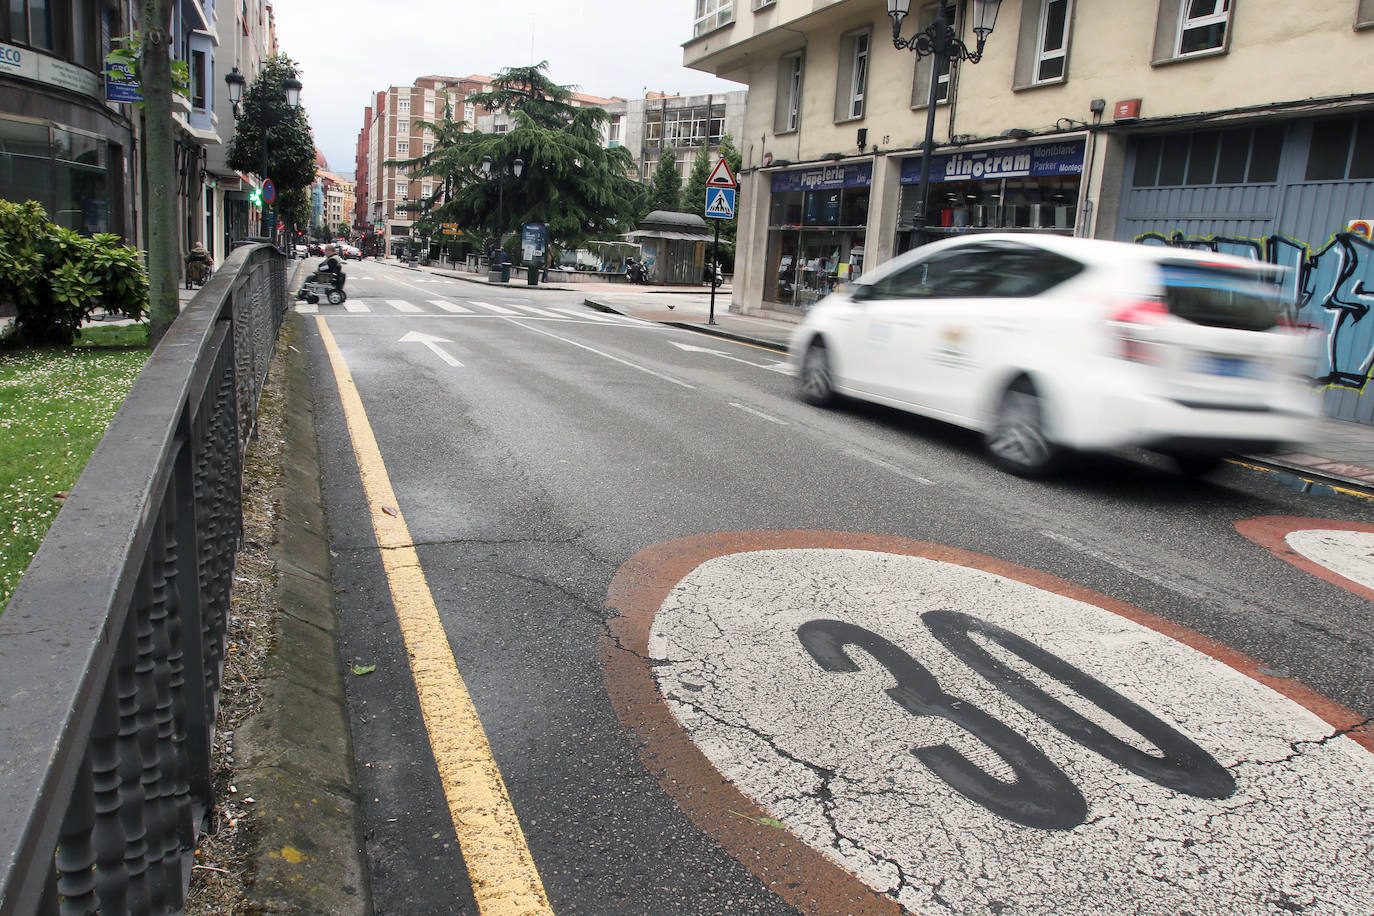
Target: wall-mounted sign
{"points": [[121, 85], [1038, 161], [31, 65], [851, 175]]}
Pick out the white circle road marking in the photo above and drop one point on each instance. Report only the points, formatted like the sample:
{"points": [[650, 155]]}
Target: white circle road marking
{"points": [[1342, 553], [1346, 553], [892, 784]]}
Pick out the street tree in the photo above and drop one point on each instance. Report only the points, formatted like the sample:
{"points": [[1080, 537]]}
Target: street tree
{"points": [[667, 180], [570, 182], [694, 192], [290, 141]]}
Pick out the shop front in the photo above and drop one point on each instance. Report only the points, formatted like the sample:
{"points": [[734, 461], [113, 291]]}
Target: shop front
{"points": [[817, 224], [1022, 188]]}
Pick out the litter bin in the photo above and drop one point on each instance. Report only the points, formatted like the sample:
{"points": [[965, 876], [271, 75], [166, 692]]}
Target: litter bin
{"points": [[505, 273], [532, 275]]}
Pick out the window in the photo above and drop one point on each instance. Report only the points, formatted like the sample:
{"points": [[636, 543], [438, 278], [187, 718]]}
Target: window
{"points": [[1190, 28], [1239, 156], [67, 29], [1341, 148], [787, 113], [426, 189], [712, 14], [198, 79], [852, 80], [428, 147], [920, 90], [1364, 15], [403, 147], [1203, 26], [469, 112], [763, 4], [403, 127], [1052, 48]]}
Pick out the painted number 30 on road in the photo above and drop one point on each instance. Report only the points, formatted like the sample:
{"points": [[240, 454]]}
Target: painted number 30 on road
{"points": [[952, 734]]}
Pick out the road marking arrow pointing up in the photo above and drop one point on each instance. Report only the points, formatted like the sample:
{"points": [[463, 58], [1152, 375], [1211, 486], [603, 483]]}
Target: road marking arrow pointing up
{"points": [[429, 340]]}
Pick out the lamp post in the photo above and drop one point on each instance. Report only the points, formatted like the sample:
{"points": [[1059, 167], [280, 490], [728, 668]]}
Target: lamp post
{"points": [[237, 83], [518, 168], [941, 42]]}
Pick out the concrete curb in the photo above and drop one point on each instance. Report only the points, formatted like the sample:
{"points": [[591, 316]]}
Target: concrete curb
{"points": [[295, 753], [574, 288], [699, 328]]}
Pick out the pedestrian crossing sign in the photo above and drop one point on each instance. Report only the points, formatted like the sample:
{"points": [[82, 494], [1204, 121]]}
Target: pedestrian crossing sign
{"points": [[720, 203]]}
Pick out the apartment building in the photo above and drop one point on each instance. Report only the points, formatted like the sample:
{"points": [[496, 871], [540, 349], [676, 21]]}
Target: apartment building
{"points": [[683, 124], [1151, 120], [246, 35], [391, 130]]}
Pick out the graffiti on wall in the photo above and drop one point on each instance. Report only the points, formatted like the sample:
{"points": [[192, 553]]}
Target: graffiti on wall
{"points": [[1331, 290]]}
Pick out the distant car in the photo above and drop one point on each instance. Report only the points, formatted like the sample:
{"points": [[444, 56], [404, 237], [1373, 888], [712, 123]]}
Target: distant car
{"points": [[300, 251], [316, 248], [1044, 344], [347, 251]]}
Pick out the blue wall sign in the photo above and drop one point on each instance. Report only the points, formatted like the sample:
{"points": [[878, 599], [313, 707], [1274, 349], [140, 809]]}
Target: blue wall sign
{"points": [[852, 175], [1039, 161], [123, 87]]}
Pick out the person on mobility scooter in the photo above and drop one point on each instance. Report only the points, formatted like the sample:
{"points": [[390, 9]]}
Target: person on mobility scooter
{"points": [[327, 281]]}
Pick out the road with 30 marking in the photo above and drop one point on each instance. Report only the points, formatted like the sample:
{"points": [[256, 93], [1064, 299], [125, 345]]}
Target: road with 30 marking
{"points": [[652, 636]]}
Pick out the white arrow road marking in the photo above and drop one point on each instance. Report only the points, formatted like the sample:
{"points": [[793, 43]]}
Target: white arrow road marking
{"points": [[402, 305], [913, 717], [453, 307], [693, 348], [432, 342]]}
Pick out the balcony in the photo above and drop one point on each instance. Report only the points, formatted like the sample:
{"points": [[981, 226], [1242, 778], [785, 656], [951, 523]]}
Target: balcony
{"points": [[722, 44]]}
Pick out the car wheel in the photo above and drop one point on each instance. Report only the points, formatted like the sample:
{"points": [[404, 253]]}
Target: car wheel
{"points": [[817, 385], [335, 297], [1017, 440], [1195, 465]]}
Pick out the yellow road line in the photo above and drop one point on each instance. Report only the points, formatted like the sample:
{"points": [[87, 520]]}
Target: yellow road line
{"points": [[500, 867]]}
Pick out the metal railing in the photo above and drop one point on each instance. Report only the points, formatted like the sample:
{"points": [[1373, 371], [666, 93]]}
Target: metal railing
{"points": [[112, 647]]}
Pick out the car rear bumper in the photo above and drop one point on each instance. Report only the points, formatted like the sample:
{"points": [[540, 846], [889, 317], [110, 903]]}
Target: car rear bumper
{"points": [[1285, 419]]}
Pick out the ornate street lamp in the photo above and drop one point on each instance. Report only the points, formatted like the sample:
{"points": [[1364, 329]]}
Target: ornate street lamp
{"points": [[940, 42], [237, 83], [518, 168]]}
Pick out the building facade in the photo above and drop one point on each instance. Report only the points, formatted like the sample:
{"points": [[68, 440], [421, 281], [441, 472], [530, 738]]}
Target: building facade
{"points": [[393, 130], [1150, 120], [684, 124]]}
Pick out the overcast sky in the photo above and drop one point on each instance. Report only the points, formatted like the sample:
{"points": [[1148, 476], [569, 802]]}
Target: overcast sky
{"points": [[349, 49]]}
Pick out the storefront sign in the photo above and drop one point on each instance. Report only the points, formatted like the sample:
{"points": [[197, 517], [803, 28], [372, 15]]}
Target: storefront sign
{"points": [[31, 65], [853, 175], [1040, 161]]}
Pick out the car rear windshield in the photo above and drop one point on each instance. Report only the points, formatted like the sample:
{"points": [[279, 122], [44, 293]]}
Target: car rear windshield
{"points": [[1220, 297]]}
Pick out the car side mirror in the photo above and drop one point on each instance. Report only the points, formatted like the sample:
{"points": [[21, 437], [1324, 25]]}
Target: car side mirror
{"points": [[862, 292]]}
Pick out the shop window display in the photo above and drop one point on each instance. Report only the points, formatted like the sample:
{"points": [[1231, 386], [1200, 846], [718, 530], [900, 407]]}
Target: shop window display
{"points": [[816, 242]]}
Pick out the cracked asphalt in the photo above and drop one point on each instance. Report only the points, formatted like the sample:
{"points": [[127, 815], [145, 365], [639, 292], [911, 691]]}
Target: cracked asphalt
{"points": [[626, 563]]}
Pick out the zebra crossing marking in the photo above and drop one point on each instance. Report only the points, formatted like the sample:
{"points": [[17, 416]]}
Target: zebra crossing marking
{"points": [[401, 305], [356, 307], [496, 309], [453, 307]]}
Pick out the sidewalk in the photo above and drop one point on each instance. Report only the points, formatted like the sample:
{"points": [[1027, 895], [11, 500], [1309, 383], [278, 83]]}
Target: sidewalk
{"points": [[1341, 455]]}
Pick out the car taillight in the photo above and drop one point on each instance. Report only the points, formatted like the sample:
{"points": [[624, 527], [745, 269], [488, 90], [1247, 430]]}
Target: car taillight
{"points": [[1129, 322]]}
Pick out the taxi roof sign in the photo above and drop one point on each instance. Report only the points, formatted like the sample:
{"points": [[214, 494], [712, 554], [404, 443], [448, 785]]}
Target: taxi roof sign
{"points": [[721, 176]]}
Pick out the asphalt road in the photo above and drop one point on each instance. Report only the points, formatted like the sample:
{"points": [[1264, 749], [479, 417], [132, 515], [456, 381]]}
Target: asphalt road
{"points": [[734, 654]]}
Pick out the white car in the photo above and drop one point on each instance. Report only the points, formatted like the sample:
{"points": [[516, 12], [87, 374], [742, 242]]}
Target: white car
{"points": [[347, 251], [1045, 343]]}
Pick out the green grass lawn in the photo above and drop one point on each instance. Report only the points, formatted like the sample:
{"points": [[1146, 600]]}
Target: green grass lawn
{"points": [[54, 407]]}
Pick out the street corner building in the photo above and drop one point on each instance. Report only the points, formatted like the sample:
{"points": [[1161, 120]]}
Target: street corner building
{"points": [[1244, 126], [70, 132]]}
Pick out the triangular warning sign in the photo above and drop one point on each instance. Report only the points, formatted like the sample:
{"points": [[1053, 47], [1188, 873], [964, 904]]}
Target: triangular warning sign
{"points": [[721, 176], [720, 203]]}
